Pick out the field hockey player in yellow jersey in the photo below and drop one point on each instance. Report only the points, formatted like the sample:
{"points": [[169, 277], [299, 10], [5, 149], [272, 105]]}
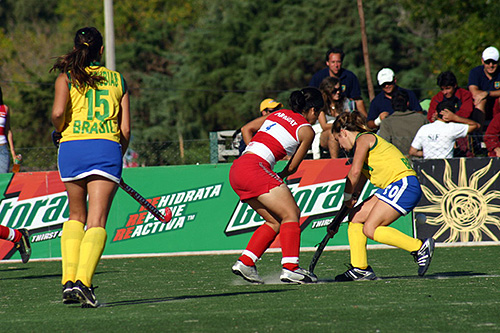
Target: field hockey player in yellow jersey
{"points": [[399, 192], [92, 129]]}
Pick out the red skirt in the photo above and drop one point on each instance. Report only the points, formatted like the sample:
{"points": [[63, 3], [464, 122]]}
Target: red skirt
{"points": [[251, 176]]}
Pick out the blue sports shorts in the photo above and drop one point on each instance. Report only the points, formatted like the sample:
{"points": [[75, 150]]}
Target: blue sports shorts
{"points": [[402, 195], [82, 158]]}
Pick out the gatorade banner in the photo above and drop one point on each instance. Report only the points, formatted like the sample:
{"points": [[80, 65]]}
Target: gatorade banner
{"points": [[207, 214]]}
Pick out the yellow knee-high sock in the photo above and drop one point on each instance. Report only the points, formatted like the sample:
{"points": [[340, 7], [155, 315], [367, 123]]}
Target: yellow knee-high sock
{"points": [[357, 245], [394, 237], [71, 238], [90, 253]]}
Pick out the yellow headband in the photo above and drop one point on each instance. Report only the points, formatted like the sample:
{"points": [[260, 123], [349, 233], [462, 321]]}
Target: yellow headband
{"points": [[86, 44]]}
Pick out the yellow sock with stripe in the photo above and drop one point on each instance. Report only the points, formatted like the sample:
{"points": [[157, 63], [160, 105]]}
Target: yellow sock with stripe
{"points": [[90, 253], [71, 238], [394, 237], [357, 245]]}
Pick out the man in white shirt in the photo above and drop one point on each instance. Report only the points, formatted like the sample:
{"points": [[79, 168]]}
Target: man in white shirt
{"points": [[436, 140]]}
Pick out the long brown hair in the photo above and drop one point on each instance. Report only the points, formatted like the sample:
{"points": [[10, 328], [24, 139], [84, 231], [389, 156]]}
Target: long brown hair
{"points": [[327, 88], [86, 50], [350, 121]]}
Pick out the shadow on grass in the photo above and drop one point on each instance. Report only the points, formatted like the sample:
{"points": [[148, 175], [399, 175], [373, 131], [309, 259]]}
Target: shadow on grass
{"points": [[443, 275], [13, 269], [46, 276], [186, 297]]}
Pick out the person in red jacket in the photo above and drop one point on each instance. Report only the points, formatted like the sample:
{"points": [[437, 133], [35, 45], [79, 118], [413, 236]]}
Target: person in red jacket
{"points": [[492, 134], [464, 104], [447, 81]]}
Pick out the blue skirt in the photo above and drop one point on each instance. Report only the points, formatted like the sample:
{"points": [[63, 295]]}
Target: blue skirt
{"points": [[82, 158], [403, 195]]}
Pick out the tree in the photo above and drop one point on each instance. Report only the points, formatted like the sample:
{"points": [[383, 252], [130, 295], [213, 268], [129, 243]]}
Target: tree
{"points": [[27, 84], [456, 32], [241, 52], [195, 66]]}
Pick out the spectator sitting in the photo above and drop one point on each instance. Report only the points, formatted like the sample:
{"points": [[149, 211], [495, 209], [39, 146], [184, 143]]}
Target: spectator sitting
{"points": [[335, 103], [464, 103], [381, 106], [447, 81], [6, 138], [267, 106], [436, 140], [349, 81], [484, 84], [492, 134], [400, 127]]}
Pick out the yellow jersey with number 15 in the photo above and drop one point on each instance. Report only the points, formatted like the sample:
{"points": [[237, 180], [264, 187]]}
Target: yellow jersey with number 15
{"points": [[385, 163], [93, 113]]}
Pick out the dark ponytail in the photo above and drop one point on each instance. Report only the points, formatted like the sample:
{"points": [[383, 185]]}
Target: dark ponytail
{"points": [[306, 98], [86, 50]]}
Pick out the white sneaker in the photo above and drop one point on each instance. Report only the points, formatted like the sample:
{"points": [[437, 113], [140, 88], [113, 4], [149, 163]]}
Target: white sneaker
{"points": [[249, 273], [424, 255], [299, 275]]}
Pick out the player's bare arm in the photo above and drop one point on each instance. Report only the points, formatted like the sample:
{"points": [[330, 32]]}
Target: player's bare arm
{"points": [[249, 130], [60, 101], [124, 121], [363, 145]]}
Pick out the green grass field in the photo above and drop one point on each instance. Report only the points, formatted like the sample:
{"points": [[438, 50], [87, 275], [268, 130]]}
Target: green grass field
{"points": [[461, 293]]}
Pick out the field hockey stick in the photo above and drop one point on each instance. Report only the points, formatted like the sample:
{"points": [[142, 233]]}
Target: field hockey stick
{"points": [[146, 204], [332, 229]]}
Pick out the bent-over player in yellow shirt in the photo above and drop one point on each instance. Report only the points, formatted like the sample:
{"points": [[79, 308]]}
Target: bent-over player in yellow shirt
{"points": [[399, 192]]}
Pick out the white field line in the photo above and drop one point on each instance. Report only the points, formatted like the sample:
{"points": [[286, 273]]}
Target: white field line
{"points": [[273, 250]]}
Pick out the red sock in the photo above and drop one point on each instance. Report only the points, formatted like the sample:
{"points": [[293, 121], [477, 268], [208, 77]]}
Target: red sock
{"points": [[10, 234], [290, 245], [258, 244]]}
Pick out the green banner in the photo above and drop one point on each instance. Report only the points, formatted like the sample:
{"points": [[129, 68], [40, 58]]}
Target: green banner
{"points": [[207, 215]]}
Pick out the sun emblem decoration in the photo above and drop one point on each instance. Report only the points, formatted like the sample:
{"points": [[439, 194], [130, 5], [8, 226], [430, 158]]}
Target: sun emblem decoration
{"points": [[463, 208]]}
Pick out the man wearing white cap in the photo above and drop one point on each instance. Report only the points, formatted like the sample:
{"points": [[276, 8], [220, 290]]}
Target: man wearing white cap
{"points": [[381, 105], [484, 84]]}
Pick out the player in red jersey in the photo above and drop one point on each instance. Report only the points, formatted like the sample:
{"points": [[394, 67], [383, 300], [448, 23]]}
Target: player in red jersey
{"points": [[281, 133], [20, 238]]}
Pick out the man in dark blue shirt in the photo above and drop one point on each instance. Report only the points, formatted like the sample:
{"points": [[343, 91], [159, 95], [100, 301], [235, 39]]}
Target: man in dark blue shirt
{"points": [[348, 80], [484, 84], [381, 105]]}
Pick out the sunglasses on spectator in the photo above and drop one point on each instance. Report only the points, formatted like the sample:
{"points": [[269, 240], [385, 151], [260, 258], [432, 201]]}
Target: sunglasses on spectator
{"points": [[490, 61], [385, 84], [337, 90]]}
